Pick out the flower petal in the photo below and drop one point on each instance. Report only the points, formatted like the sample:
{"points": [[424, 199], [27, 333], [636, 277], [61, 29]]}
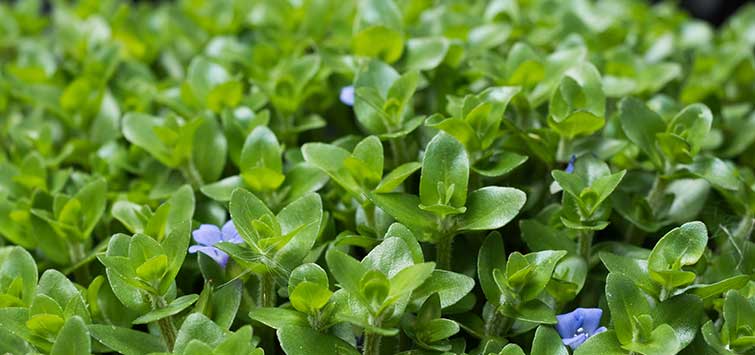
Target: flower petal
{"points": [[570, 167], [230, 234], [347, 95], [220, 257], [575, 341], [207, 234], [598, 331], [590, 318], [567, 324]]}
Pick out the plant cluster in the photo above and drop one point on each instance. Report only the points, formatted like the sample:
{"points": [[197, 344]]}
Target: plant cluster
{"points": [[415, 177]]}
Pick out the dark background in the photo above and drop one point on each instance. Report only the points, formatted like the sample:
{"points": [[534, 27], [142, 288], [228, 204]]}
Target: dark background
{"points": [[713, 11]]}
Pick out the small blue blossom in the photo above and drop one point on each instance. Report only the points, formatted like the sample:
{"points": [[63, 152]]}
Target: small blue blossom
{"points": [[347, 95], [208, 235], [577, 326], [570, 168]]}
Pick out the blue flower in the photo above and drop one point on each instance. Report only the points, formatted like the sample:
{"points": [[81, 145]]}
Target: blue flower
{"points": [[576, 326], [570, 168], [347, 95], [208, 235]]}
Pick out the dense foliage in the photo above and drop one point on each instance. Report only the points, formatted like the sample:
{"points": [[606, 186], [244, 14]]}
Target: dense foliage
{"points": [[377, 177]]}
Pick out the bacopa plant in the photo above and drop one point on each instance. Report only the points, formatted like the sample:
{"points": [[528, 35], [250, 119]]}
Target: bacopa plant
{"points": [[375, 177]]}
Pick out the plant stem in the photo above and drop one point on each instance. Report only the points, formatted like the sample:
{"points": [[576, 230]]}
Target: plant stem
{"points": [[266, 297], [584, 244], [168, 331], [190, 173], [167, 328], [655, 196], [444, 252], [561, 151], [77, 255], [498, 324], [372, 340], [744, 228]]}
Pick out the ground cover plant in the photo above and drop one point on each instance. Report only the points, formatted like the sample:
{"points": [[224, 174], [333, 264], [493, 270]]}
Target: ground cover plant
{"points": [[374, 177]]}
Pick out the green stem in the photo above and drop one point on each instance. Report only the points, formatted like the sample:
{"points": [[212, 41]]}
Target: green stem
{"points": [[369, 215], [89, 258], [634, 235], [498, 325], [395, 152], [190, 173], [655, 196], [372, 341], [444, 252], [168, 329], [81, 273], [744, 228], [561, 151], [266, 297], [584, 244]]}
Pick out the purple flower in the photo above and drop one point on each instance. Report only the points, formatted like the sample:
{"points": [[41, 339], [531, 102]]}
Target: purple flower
{"points": [[570, 168], [347, 95], [208, 235], [575, 327]]}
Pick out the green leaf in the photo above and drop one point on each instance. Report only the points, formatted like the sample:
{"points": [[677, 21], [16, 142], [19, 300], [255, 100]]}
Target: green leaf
{"points": [[641, 125], [310, 297], [93, 197], [663, 341], [331, 159], [408, 279], [126, 341], [346, 270], [73, 339], [604, 343], [445, 172], [301, 220], [491, 207], [718, 173], [197, 327], [209, 149], [500, 164], [680, 247], [261, 149], [576, 124], [225, 303], [684, 313], [175, 307], [278, 318], [547, 342], [491, 256], [693, 124], [405, 209], [543, 262], [305, 341], [389, 257], [425, 53], [245, 208], [707, 292], [379, 42], [512, 349], [540, 237], [626, 302], [307, 272], [451, 287], [17, 263], [140, 130], [634, 269]]}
